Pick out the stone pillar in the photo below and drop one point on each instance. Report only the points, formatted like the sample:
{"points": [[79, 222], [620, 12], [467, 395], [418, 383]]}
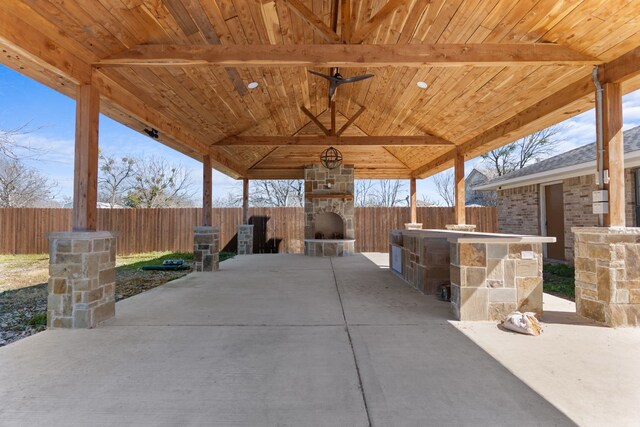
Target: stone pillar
{"points": [[82, 279], [245, 239], [607, 262], [206, 248]]}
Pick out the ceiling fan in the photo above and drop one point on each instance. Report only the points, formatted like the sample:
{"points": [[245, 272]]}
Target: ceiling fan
{"points": [[336, 80]]}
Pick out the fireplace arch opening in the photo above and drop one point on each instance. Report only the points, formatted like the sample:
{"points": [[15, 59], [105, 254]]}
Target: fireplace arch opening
{"points": [[328, 225]]}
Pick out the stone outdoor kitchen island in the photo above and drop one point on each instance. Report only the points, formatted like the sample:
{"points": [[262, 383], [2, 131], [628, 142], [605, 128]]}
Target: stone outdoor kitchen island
{"points": [[490, 274]]}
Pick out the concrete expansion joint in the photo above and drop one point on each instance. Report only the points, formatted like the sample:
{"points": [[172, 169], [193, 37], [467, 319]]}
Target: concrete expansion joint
{"points": [[353, 352]]}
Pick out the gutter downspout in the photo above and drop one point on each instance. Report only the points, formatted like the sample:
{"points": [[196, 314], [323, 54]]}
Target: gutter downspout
{"points": [[599, 136]]}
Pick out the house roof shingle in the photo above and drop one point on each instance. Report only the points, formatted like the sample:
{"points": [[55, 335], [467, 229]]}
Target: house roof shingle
{"points": [[577, 156]]}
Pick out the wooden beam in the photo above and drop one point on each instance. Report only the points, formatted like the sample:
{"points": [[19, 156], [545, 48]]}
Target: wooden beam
{"points": [[315, 120], [207, 183], [85, 173], [345, 22], [623, 68], [34, 43], [350, 121], [372, 24], [459, 209], [413, 200], [293, 173], [613, 153], [416, 141], [245, 201], [307, 15], [352, 55], [333, 117]]}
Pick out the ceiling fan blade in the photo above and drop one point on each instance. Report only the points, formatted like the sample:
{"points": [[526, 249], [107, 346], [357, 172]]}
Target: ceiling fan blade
{"points": [[357, 78], [321, 75]]}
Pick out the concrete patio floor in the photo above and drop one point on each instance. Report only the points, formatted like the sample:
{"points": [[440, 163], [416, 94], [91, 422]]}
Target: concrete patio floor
{"points": [[299, 341]]}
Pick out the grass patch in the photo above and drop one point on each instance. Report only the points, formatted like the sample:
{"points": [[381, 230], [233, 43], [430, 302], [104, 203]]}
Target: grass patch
{"points": [[559, 280], [38, 319]]}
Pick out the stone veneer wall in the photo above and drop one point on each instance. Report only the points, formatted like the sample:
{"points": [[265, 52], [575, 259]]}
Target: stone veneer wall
{"points": [[317, 179], [82, 279], [425, 262], [490, 280], [245, 239], [206, 248], [519, 210], [608, 274]]}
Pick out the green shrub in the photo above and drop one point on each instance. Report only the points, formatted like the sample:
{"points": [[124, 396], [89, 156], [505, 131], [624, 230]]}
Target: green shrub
{"points": [[38, 319]]}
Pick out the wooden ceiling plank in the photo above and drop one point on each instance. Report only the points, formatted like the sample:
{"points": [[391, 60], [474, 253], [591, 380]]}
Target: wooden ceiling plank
{"points": [[420, 141], [350, 121], [376, 20], [316, 23], [427, 55], [133, 105], [419, 9], [345, 20]]}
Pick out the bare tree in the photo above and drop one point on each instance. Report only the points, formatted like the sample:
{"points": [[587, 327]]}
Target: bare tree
{"points": [[428, 201], [363, 192], [277, 193], [389, 192], [158, 184], [444, 187], [12, 148], [114, 180], [231, 200], [522, 152], [21, 186]]}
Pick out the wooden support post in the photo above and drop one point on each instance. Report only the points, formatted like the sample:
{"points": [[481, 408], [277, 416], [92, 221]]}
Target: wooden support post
{"points": [[85, 174], [333, 117], [207, 178], [459, 211], [414, 209], [613, 157], [245, 201]]}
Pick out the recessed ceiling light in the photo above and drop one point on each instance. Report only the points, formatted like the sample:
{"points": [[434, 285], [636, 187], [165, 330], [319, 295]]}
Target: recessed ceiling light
{"points": [[422, 85], [252, 85]]}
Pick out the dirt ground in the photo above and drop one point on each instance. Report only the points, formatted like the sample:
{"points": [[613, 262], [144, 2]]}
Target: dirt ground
{"points": [[23, 288]]}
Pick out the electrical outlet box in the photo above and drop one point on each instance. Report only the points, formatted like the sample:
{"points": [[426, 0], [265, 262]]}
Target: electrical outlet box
{"points": [[601, 207], [528, 255], [600, 196]]}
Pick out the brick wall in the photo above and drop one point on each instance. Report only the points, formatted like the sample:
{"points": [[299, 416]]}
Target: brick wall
{"points": [[519, 210], [577, 208]]}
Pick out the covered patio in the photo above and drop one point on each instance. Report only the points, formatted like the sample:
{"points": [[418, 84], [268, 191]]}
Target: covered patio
{"points": [[294, 340]]}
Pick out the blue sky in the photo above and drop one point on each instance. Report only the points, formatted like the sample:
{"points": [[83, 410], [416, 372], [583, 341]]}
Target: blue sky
{"points": [[52, 116]]}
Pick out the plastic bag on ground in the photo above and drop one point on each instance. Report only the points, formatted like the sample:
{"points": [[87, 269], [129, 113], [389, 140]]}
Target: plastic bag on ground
{"points": [[524, 323]]}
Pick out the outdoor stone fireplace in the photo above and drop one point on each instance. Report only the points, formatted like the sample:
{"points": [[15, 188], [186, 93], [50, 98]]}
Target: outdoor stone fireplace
{"points": [[329, 212]]}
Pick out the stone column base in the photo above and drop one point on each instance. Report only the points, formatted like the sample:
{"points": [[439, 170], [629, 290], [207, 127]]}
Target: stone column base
{"points": [[82, 279], [461, 227], [206, 248], [245, 239], [413, 225], [607, 262]]}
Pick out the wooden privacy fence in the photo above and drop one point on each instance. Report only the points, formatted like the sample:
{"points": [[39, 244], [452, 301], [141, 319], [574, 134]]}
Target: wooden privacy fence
{"points": [[22, 230]]}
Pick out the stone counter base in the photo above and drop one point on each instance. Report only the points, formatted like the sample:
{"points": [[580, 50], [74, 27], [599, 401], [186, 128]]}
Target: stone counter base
{"points": [[319, 247], [82, 279], [607, 262], [490, 280]]}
